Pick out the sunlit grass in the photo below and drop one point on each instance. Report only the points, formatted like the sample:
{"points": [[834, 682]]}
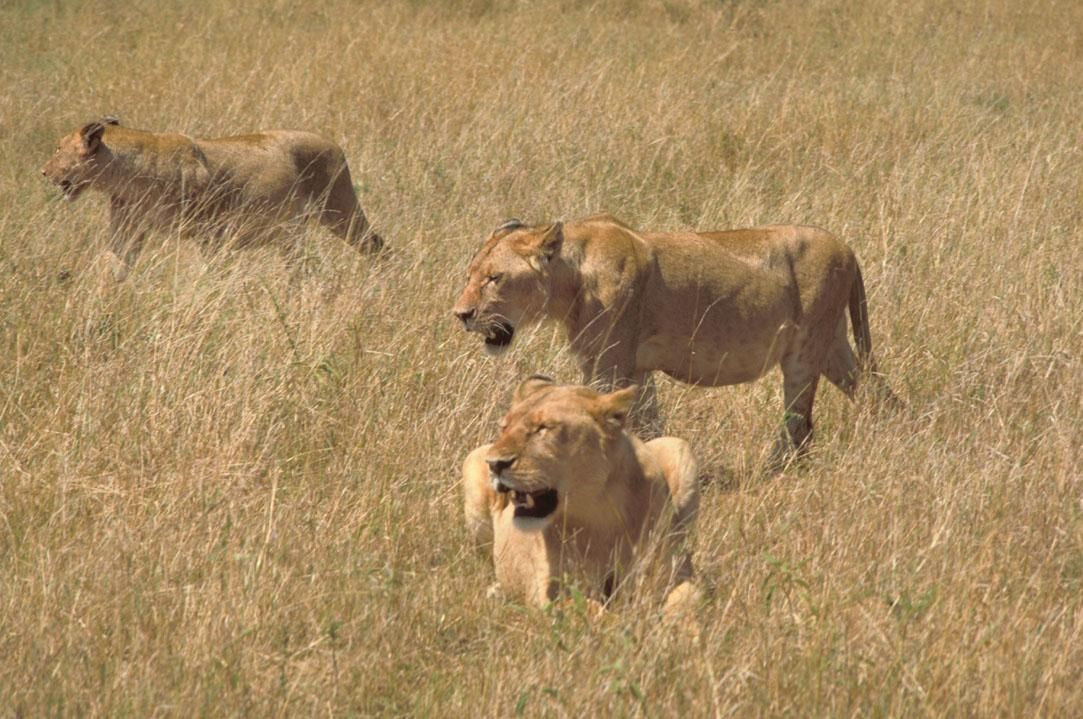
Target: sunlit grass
{"points": [[225, 489]]}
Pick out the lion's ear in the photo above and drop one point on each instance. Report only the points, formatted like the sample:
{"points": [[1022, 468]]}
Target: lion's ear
{"points": [[616, 406], [530, 385], [550, 243], [92, 135], [512, 223]]}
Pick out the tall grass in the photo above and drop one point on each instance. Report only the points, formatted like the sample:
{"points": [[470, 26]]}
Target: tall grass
{"points": [[223, 491]]}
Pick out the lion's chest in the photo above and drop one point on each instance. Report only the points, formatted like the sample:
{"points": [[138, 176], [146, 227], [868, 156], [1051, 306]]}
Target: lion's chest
{"points": [[533, 564]]}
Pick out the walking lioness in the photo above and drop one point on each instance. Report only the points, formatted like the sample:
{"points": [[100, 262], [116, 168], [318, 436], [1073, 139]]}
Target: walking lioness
{"points": [[709, 308], [566, 495], [247, 186]]}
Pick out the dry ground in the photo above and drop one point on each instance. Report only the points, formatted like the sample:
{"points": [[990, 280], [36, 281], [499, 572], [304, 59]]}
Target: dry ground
{"points": [[223, 493]]}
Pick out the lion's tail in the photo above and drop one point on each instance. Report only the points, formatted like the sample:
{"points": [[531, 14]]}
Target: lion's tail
{"points": [[859, 317]]}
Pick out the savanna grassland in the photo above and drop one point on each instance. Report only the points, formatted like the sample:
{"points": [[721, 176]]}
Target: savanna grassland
{"points": [[231, 488]]}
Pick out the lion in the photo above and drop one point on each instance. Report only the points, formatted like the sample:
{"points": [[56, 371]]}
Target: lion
{"points": [[706, 308], [566, 497], [249, 186]]}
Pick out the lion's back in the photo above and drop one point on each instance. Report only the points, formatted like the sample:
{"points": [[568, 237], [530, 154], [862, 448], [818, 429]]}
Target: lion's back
{"points": [[270, 163]]}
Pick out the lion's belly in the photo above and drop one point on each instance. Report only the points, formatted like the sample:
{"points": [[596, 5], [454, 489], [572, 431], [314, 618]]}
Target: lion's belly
{"points": [[714, 358], [217, 210], [728, 328]]}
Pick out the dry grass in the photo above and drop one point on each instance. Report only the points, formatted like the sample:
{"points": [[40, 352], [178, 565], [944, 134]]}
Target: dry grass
{"points": [[223, 493]]}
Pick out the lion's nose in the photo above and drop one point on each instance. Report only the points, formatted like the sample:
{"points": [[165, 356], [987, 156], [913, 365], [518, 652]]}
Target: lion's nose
{"points": [[498, 465], [464, 315]]}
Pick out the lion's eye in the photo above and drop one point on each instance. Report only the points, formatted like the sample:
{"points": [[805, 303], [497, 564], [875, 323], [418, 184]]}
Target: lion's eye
{"points": [[493, 279]]}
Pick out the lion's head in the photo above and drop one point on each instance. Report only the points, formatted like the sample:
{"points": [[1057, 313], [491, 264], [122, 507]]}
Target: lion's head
{"points": [[508, 282], [76, 163], [556, 449]]}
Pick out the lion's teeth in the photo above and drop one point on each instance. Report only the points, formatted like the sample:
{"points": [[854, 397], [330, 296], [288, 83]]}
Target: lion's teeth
{"points": [[529, 501]]}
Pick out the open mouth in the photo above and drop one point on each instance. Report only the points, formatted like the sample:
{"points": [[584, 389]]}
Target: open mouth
{"points": [[69, 189], [536, 505], [500, 335]]}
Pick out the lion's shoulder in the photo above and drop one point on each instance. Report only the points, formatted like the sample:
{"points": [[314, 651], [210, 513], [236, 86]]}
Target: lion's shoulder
{"points": [[121, 139], [604, 218], [170, 160]]}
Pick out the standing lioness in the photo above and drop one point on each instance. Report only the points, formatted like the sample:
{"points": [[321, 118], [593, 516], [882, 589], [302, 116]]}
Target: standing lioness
{"points": [[710, 308], [247, 186]]}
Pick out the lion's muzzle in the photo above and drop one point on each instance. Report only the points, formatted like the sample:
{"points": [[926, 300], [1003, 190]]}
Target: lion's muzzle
{"points": [[499, 464], [500, 334], [466, 315], [496, 331], [535, 505]]}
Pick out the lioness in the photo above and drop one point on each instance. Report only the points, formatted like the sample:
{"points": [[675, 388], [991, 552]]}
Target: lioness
{"points": [[565, 494], [708, 308], [247, 185]]}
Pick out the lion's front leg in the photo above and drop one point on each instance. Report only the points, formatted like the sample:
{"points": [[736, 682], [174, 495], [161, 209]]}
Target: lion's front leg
{"points": [[521, 558], [681, 473], [646, 416], [614, 372], [681, 603], [527, 562], [478, 498], [126, 235]]}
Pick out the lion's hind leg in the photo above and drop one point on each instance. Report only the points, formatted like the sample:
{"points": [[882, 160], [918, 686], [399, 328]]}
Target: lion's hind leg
{"points": [[342, 214], [840, 365], [842, 369], [800, 376]]}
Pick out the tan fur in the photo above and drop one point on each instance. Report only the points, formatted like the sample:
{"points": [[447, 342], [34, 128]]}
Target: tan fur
{"points": [[248, 186], [710, 308], [624, 506]]}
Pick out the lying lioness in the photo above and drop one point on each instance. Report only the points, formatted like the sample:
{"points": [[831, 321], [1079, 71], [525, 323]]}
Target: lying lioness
{"points": [[566, 495], [246, 186], [710, 308]]}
